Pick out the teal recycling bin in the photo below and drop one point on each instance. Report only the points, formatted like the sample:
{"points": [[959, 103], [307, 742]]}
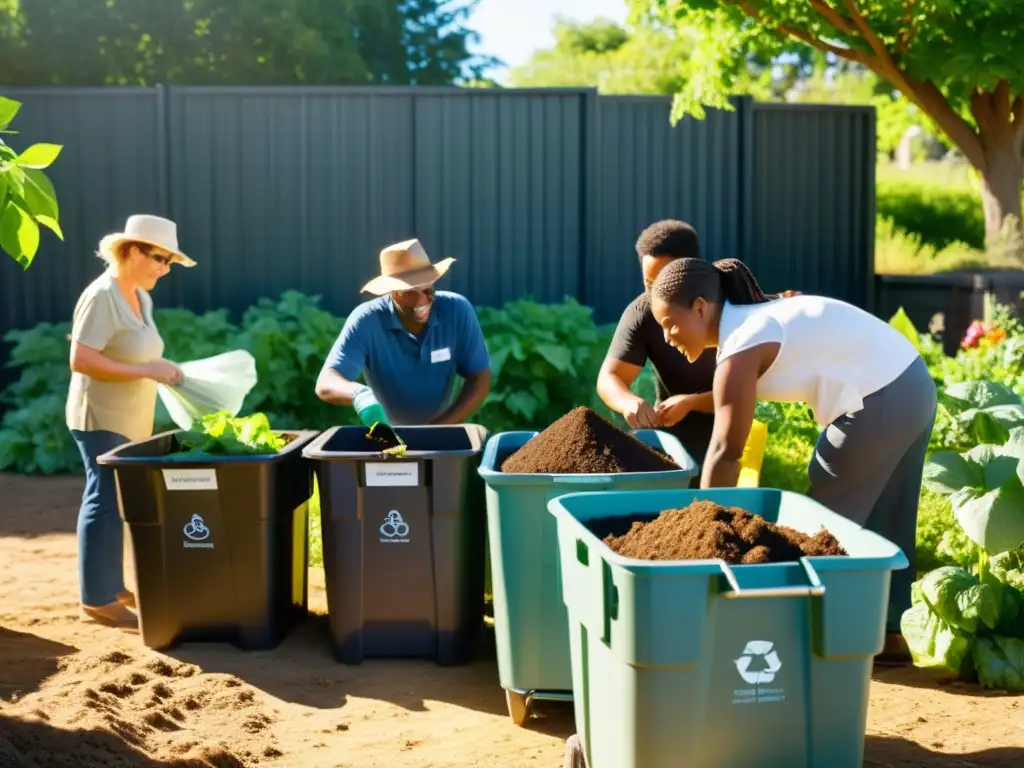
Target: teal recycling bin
{"points": [[699, 663], [530, 623]]}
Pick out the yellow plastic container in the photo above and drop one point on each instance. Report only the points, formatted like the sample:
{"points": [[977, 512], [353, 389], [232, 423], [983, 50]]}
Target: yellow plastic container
{"points": [[753, 456]]}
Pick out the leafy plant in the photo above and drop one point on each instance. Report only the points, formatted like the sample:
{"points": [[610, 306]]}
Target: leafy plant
{"points": [[984, 487], [985, 410], [34, 437], [544, 362], [902, 323], [27, 197], [290, 338], [967, 626], [221, 434]]}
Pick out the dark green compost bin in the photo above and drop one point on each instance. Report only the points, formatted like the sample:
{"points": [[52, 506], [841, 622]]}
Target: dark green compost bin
{"points": [[403, 541], [220, 545]]}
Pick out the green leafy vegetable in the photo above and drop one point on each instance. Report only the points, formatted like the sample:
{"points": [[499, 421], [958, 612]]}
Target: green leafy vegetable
{"points": [[1000, 663], [984, 487], [959, 598], [933, 643], [1008, 568], [220, 434], [988, 410]]}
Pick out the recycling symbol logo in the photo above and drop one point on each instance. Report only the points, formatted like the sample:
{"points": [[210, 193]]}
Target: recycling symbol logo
{"points": [[196, 529], [394, 525], [759, 663]]}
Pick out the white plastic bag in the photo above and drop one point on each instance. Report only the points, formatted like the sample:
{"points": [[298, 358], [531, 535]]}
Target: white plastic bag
{"points": [[209, 385]]}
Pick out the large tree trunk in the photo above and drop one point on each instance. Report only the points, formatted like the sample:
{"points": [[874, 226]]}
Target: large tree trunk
{"points": [[1001, 194], [1001, 139]]}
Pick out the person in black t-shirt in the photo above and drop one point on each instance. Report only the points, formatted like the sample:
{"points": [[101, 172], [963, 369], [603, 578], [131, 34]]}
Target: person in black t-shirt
{"points": [[683, 406]]}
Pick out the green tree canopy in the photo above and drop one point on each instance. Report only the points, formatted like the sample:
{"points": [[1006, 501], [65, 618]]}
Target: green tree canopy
{"points": [[607, 56], [958, 61], [236, 42]]}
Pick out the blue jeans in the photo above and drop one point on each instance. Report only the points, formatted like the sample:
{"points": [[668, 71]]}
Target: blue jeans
{"points": [[100, 531]]}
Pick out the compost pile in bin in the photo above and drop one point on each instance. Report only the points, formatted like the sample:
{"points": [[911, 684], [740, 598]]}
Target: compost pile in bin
{"points": [[706, 531], [582, 442]]}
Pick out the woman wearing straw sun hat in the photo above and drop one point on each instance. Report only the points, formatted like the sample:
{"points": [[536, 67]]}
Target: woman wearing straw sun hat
{"points": [[116, 363], [410, 342]]}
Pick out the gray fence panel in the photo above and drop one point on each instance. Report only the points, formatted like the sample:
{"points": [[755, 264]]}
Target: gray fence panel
{"points": [[650, 170], [813, 199], [279, 188], [110, 167], [498, 187], [535, 192]]}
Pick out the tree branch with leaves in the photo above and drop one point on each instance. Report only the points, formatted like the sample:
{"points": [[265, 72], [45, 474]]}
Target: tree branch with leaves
{"points": [[27, 198], [960, 62]]}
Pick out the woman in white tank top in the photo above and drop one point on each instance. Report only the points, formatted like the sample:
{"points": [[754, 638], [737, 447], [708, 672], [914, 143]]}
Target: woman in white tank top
{"points": [[865, 383]]}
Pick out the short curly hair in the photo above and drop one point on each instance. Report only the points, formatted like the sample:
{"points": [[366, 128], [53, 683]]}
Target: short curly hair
{"points": [[669, 237]]}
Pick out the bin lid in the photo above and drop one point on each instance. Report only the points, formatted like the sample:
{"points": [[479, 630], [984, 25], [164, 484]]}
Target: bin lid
{"points": [[158, 451], [350, 443]]}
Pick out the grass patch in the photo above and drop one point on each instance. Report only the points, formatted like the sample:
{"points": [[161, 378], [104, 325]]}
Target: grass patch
{"points": [[898, 252]]}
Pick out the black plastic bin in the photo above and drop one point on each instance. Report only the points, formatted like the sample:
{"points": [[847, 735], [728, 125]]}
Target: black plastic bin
{"points": [[220, 546], [403, 541]]}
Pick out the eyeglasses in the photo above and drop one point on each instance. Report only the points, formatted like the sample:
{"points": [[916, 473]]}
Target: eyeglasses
{"points": [[164, 259]]}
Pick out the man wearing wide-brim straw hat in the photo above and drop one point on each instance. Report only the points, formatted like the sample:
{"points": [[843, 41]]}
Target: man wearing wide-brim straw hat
{"points": [[409, 344]]}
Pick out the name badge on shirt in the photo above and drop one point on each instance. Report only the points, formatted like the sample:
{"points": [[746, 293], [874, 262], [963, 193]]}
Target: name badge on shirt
{"points": [[440, 355]]}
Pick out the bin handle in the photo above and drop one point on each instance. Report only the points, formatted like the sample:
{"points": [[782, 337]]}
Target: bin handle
{"points": [[814, 589], [588, 479], [609, 608]]}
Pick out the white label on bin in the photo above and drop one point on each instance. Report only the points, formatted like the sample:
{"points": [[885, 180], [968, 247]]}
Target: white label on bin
{"points": [[394, 529], [757, 666], [190, 479], [402, 473]]}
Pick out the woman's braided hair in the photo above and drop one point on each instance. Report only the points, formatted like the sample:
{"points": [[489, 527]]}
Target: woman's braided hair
{"points": [[684, 280]]}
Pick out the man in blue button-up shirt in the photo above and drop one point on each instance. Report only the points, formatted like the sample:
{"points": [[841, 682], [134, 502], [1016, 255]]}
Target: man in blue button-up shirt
{"points": [[410, 343]]}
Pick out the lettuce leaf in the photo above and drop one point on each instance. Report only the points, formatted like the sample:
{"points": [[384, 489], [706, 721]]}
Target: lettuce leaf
{"points": [[1000, 663], [959, 598], [933, 643]]}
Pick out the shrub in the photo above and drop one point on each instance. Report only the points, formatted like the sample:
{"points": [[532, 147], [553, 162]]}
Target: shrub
{"points": [[544, 361], [898, 252]]}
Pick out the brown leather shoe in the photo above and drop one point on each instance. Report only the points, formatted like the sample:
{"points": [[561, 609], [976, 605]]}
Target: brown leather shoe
{"points": [[126, 598], [112, 615], [895, 652]]}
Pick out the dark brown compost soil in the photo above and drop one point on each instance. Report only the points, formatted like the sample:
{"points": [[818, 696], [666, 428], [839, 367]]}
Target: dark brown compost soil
{"points": [[581, 442], [705, 530]]}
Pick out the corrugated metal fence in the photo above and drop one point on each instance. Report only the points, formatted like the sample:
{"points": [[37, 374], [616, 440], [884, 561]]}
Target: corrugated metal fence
{"points": [[535, 192]]}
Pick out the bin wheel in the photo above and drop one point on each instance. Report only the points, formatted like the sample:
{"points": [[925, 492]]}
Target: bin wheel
{"points": [[518, 707], [574, 757]]}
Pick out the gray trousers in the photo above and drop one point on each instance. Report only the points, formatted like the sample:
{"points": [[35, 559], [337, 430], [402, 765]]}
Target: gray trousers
{"points": [[867, 467]]}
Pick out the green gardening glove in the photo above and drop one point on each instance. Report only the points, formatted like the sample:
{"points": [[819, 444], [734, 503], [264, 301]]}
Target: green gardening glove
{"points": [[369, 410]]}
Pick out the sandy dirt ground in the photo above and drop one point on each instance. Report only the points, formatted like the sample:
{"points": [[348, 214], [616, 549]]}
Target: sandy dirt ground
{"points": [[75, 694]]}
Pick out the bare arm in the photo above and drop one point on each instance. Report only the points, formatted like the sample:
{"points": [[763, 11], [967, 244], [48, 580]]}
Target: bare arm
{"points": [[735, 393], [333, 388], [703, 403], [614, 382], [474, 391], [96, 365]]}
